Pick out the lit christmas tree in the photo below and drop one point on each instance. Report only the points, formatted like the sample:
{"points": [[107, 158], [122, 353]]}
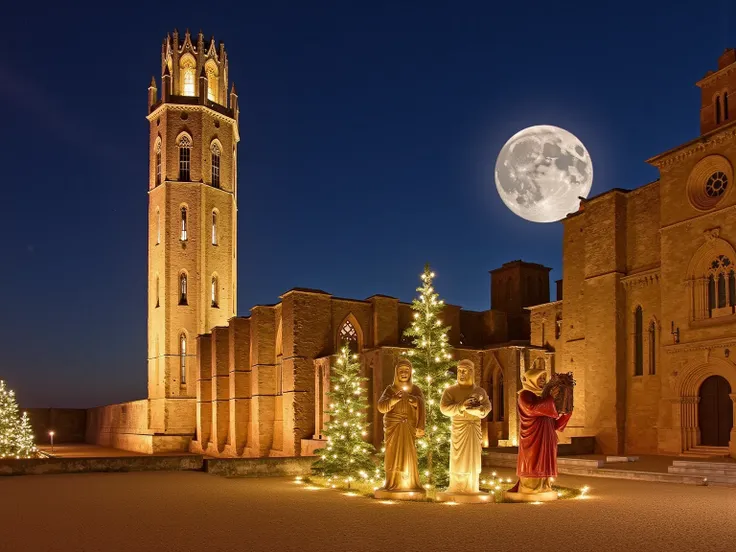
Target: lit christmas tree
{"points": [[432, 363], [16, 437], [24, 438], [347, 455]]}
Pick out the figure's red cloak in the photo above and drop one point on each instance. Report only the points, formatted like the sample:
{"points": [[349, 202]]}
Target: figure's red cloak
{"points": [[538, 422]]}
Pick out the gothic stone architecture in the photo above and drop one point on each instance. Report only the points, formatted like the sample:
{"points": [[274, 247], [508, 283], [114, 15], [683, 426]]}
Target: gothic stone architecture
{"points": [[647, 321], [262, 380], [192, 206]]}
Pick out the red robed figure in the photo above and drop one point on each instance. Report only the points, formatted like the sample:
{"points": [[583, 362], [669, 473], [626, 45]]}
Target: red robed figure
{"points": [[538, 423]]}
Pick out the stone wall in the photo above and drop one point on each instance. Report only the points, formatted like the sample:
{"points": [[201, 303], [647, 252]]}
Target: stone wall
{"points": [[263, 380], [118, 425], [68, 424]]}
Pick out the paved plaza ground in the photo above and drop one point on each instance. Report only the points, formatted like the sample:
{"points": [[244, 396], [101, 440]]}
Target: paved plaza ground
{"points": [[182, 511]]}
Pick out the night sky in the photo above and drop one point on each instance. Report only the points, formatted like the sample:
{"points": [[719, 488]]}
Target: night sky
{"points": [[369, 131]]}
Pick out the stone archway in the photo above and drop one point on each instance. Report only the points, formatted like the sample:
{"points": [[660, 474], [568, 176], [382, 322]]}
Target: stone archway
{"points": [[715, 411], [690, 390]]}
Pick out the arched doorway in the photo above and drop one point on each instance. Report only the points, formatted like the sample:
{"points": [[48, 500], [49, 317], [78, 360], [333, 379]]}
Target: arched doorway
{"points": [[715, 412]]}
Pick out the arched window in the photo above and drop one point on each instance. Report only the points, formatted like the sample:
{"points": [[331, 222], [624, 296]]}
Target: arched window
{"points": [[558, 326], [214, 227], [212, 80], [183, 358], [183, 224], [725, 106], [185, 158], [215, 166], [652, 347], [718, 109], [491, 399], [157, 292], [183, 289], [158, 226], [158, 162], [348, 335], [214, 291], [710, 277], [638, 342], [721, 290], [501, 398], [721, 284], [187, 66]]}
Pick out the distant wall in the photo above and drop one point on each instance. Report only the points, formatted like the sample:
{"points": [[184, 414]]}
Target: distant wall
{"points": [[68, 424]]}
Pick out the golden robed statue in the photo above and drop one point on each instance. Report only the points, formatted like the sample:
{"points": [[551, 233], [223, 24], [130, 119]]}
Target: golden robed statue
{"points": [[402, 406], [467, 404]]}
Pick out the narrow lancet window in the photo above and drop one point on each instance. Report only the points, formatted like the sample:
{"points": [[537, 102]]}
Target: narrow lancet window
{"points": [[638, 342], [183, 358], [185, 159], [652, 347], [183, 289], [214, 291], [158, 163], [215, 166], [183, 224]]}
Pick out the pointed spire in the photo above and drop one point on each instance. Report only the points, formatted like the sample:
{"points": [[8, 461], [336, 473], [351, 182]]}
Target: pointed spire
{"points": [[232, 90], [153, 82]]}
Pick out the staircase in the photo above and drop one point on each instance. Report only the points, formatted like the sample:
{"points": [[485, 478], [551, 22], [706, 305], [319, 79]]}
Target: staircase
{"points": [[714, 473], [702, 451]]}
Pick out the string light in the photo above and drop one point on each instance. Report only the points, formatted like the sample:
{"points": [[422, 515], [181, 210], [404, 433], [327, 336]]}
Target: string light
{"points": [[347, 457], [16, 435]]}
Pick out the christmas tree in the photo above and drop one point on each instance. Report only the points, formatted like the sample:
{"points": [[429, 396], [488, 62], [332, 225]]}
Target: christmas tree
{"points": [[432, 363], [16, 437], [24, 446], [347, 455]]}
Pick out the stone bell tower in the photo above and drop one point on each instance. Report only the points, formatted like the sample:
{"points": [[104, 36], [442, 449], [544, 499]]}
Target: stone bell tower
{"points": [[192, 220]]}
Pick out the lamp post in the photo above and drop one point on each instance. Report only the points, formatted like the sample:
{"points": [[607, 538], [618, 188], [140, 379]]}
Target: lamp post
{"points": [[51, 435]]}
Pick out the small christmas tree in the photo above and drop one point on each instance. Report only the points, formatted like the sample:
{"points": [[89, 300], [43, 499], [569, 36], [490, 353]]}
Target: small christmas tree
{"points": [[24, 438], [432, 363], [16, 437], [347, 455]]}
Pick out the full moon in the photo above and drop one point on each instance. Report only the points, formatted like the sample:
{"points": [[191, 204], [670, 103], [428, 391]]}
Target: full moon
{"points": [[541, 171]]}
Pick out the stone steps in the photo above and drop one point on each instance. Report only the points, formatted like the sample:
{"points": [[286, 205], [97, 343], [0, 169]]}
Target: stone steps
{"points": [[508, 459], [593, 468], [701, 451], [636, 475], [715, 473]]}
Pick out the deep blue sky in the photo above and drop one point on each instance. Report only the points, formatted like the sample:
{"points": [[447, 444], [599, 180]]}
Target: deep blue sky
{"points": [[369, 132]]}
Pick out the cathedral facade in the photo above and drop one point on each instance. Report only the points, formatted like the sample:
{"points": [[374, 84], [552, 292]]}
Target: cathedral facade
{"points": [[644, 321], [647, 319]]}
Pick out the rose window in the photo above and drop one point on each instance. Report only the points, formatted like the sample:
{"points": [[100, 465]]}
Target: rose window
{"points": [[716, 184]]}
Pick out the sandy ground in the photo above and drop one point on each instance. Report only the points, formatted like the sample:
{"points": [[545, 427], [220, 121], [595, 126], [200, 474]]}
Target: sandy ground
{"points": [[182, 511]]}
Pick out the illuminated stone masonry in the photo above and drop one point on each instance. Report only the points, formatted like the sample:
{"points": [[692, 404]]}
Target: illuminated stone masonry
{"points": [[647, 320], [263, 379], [645, 317]]}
